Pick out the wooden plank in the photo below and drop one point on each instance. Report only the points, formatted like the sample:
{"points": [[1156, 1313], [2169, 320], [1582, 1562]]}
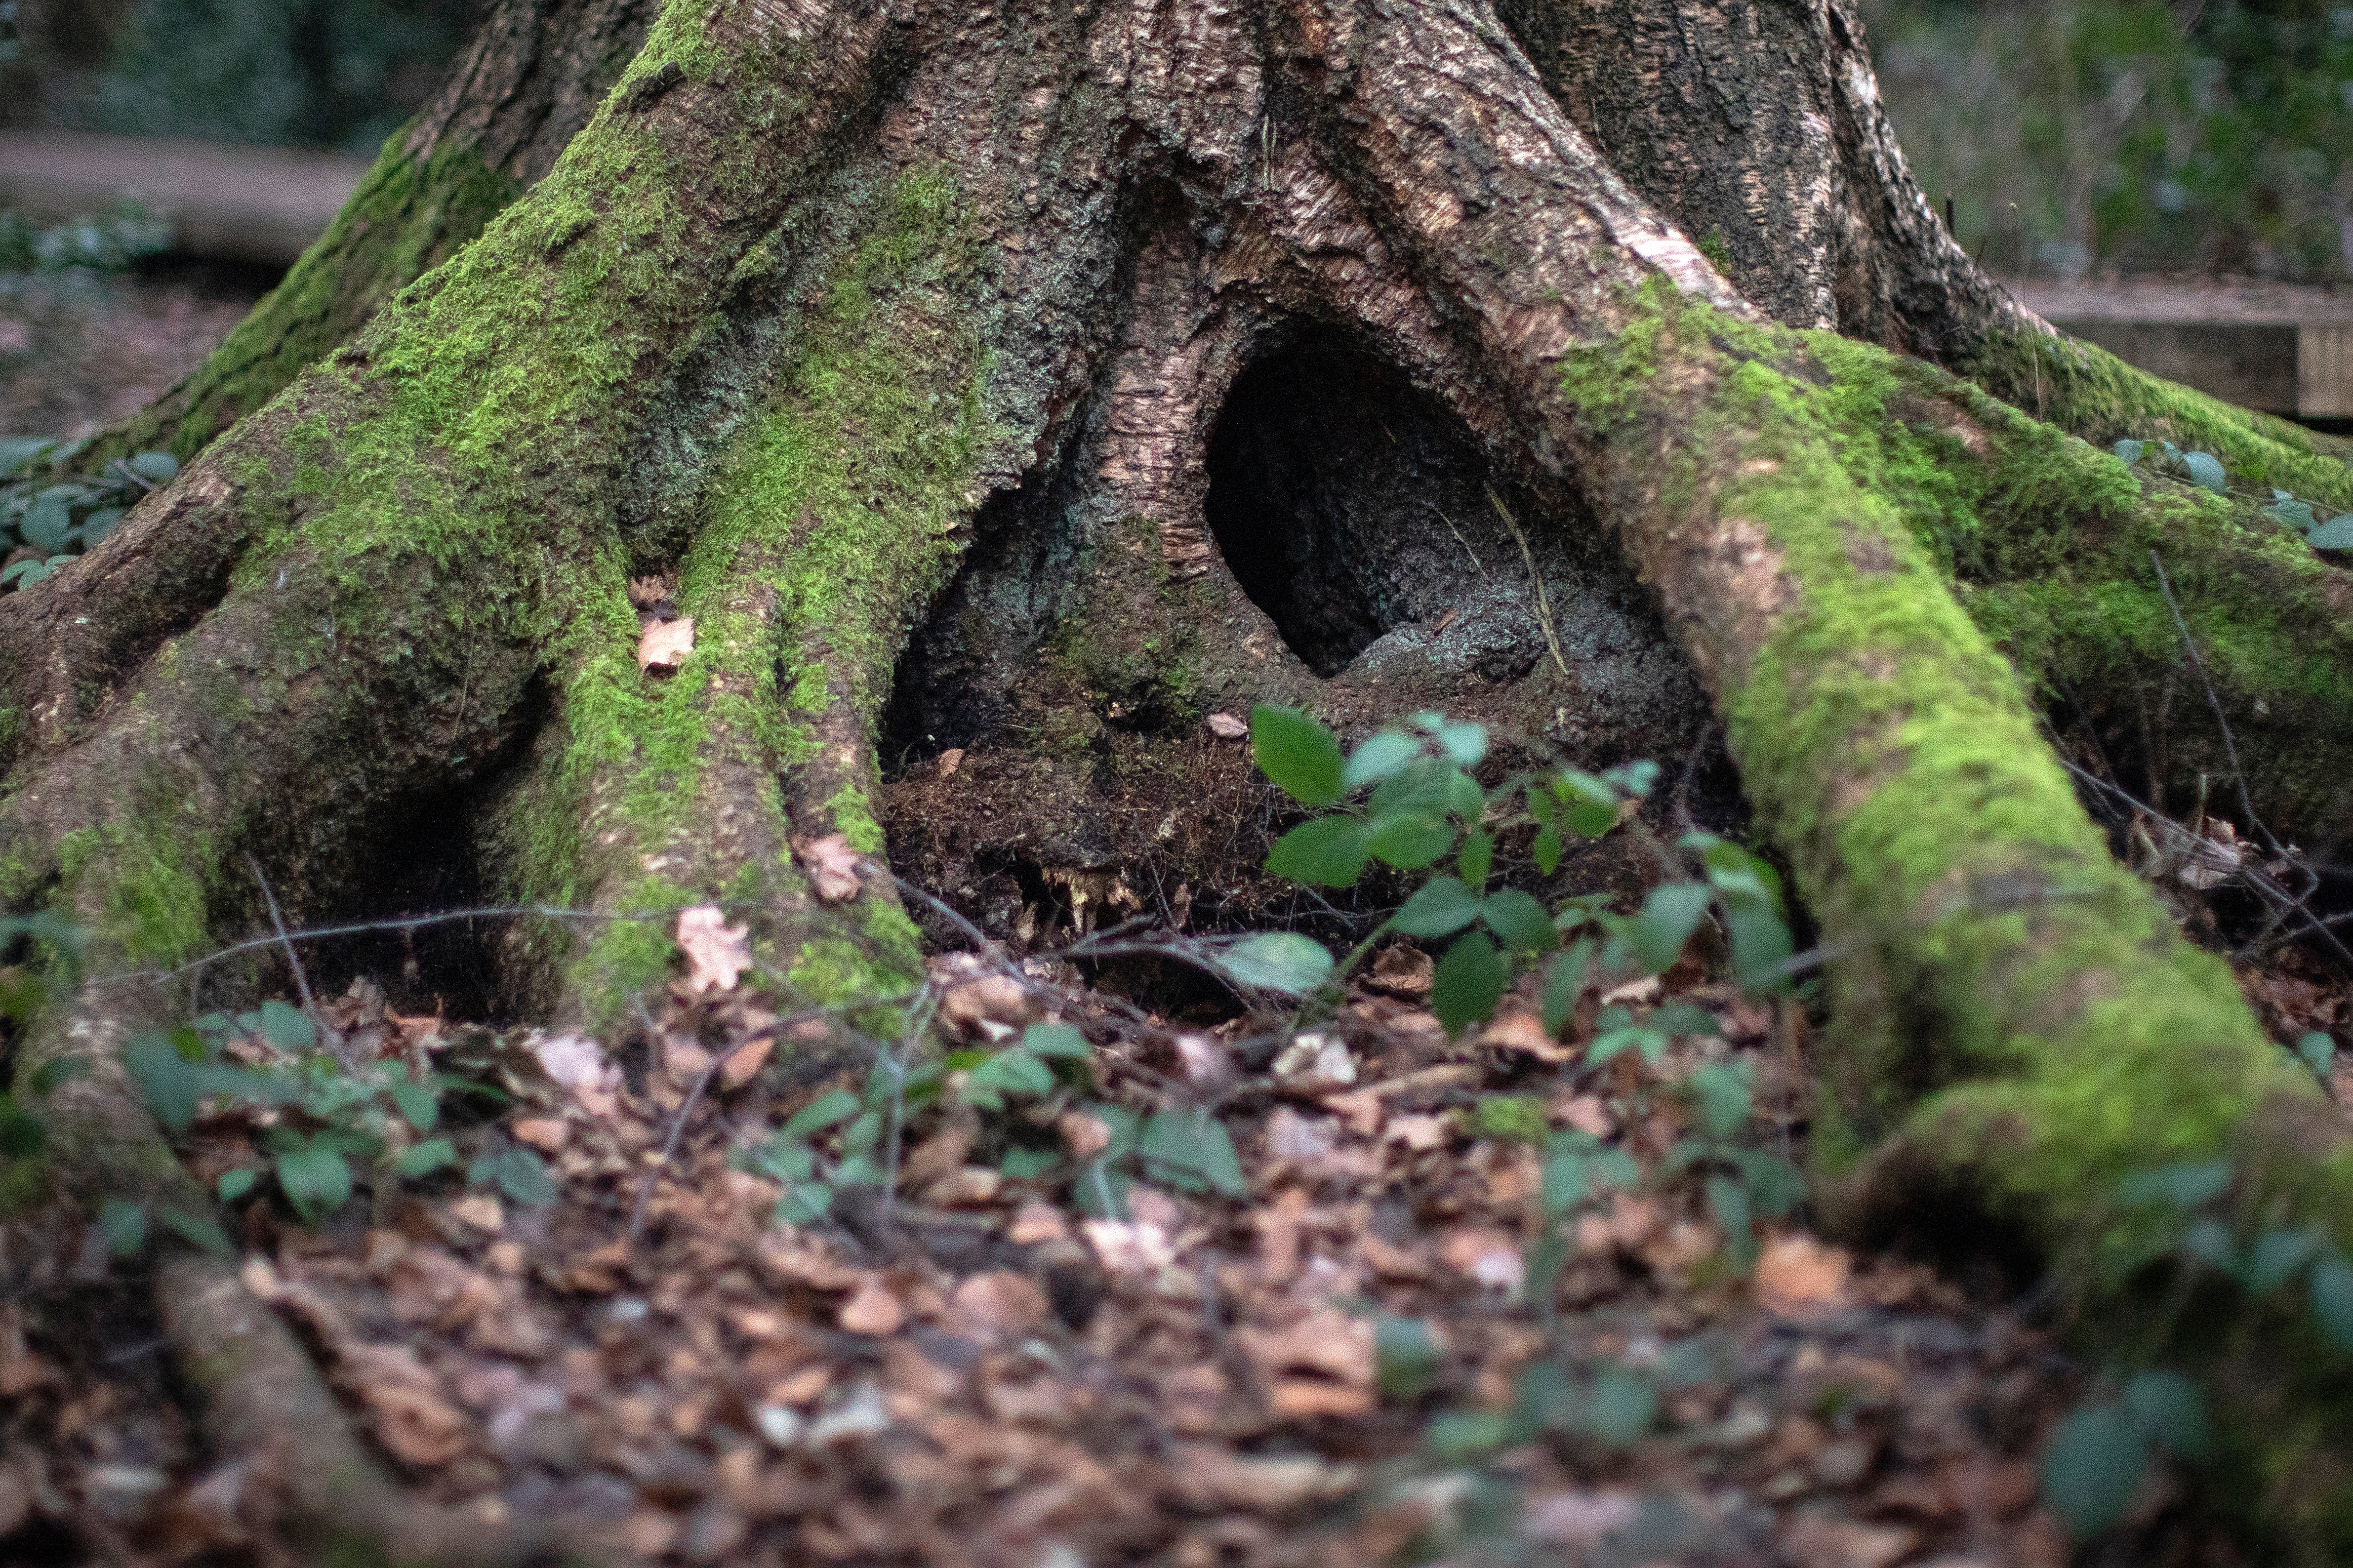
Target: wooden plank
{"points": [[241, 203], [2279, 347]]}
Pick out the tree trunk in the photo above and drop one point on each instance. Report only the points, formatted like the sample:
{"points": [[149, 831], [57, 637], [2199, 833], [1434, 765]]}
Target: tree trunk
{"points": [[1027, 385]]}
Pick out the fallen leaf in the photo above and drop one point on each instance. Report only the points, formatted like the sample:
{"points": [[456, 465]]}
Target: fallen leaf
{"points": [[1644, 990], [547, 1133], [999, 1304], [645, 592], [1524, 1033], [1585, 1113], [950, 760], [832, 866], [1226, 726], [1816, 1541], [1129, 1248], [873, 1309], [716, 953], [1419, 1133], [744, 1063], [1037, 1221], [1084, 1136], [1403, 970], [1797, 1275], [571, 1061], [407, 1407], [1486, 1255], [479, 1210], [664, 645], [1209, 1477], [992, 1001]]}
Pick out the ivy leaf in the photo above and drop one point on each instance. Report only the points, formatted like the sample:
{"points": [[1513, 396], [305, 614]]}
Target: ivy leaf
{"points": [[2128, 452], [234, 1184], [2336, 534], [1440, 906], [1720, 1094], [125, 1226], [2206, 471], [1381, 756], [1409, 841], [1057, 1040], [826, 1110], [1469, 981], [1013, 1072], [2331, 1285], [1278, 960], [1329, 852], [1298, 753], [168, 1080], [1669, 917], [1195, 1144], [316, 1180], [418, 1105], [2092, 1469], [287, 1027], [1620, 1408], [2170, 1409], [156, 468], [422, 1159], [1520, 920], [1405, 1357]]}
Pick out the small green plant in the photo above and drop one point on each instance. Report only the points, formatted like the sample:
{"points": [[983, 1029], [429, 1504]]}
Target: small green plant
{"points": [[323, 1117], [2205, 470], [2097, 1457], [1406, 798], [69, 517], [112, 241], [1743, 1185]]}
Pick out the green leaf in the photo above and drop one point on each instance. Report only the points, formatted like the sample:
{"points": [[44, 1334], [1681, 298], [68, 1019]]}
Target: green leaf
{"points": [[234, 1184], [1013, 1072], [2318, 1052], [424, 1159], [2092, 1468], [1410, 841], [1459, 1434], [97, 525], [2206, 471], [1440, 906], [1669, 917], [125, 1226], [2275, 1257], [1589, 807], [21, 452], [1299, 754], [1405, 1357], [1194, 1143], [1328, 852], [1728, 1201], [2129, 451], [2331, 1285], [1720, 1094], [1058, 1041], [1381, 756], [2336, 534], [198, 1230], [1620, 1408], [862, 1133], [23, 1134], [1563, 981], [1520, 920], [2168, 1408], [803, 1203], [168, 1080], [2185, 1185], [1546, 850], [418, 1105], [826, 1110], [1278, 960], [287, 1027], [157, 468], [1761, 945], [524, 1177], [1478, 858], [1469, 980], [1568, 1180], [1465, 744], [1512, 1118], [1028, 1164], [2289, 513], [1684, 1018], [45, 525], [316, 1180]]}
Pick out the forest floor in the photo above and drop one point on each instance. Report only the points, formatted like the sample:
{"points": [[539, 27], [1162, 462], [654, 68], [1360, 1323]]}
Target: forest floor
{"points": [[1378, 1336]]}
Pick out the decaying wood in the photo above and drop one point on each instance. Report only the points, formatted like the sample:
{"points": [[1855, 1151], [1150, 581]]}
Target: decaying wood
{"points": [[1001, 391]]}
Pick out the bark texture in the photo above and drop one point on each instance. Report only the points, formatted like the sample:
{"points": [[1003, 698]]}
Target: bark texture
{"points": [[1002, 390]]}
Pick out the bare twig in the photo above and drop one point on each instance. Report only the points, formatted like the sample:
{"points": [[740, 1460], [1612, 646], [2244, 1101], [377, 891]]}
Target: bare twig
{"points": [[327, 1031], [1544, 600], [2214, 703]]}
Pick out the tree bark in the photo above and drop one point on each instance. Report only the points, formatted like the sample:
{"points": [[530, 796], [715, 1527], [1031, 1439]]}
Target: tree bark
{"points": [[1028, 385]]}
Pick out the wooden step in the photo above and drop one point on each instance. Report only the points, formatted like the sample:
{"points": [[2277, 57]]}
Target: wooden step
{"points": [[262, 205], [2274, 346]]}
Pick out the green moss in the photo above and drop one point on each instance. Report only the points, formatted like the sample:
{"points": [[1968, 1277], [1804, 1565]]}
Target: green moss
{"points": [[405, 217], [142, 885], [2090, 392]]}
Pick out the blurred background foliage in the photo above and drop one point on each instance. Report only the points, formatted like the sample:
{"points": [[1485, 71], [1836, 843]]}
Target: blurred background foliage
{"points": [[2130, 135], [2086, 135], [339, 74]]}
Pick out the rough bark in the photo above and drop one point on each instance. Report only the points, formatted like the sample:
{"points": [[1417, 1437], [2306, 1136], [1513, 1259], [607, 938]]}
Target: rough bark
{"points": [[959, 371]]}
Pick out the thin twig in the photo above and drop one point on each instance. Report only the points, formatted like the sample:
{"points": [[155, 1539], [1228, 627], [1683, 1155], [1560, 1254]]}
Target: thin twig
{"points": [[1544, 600], [332, 1035], [2214, 703]]}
